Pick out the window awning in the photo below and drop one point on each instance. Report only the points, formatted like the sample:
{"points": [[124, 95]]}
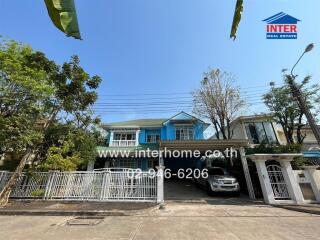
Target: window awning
{"points": [[203, 145], [311, 154]]}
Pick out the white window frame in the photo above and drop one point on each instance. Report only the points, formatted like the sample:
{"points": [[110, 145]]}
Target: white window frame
{"points": [[186, 132], [153, 137], [124, 135], [128, 163], [122, 140], [262, 135]]}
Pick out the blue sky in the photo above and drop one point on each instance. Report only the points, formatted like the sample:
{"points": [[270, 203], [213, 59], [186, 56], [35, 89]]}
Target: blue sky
{"points": [[143, 47]]}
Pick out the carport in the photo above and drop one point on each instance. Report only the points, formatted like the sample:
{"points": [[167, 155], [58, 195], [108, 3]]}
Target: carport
{"points": [[203, 147]]}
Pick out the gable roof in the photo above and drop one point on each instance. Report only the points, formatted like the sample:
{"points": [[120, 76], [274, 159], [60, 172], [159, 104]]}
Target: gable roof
{"points": [[183, 116], [281, 18], [157, 122], [256, 117], [136, 123]]}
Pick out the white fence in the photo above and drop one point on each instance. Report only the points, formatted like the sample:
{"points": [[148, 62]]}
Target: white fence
{"points": [[106, 185]]}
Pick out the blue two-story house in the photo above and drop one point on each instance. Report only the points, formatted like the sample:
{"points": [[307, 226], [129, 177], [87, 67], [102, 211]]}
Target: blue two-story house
{"points": [[129, 142]]}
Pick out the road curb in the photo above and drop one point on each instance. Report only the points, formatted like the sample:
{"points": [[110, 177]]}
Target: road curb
{"points": [[299, 209], [77, 212], [62, 213]]}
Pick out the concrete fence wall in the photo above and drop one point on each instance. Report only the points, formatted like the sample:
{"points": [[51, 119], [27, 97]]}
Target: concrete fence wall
{"points": [[309, 183]]}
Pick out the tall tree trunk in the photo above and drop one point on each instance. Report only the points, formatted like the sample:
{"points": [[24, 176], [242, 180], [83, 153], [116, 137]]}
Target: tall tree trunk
{"points": [[290, 135], [216, 127], [6, 191], [287, 134], [300, 136], [28, 156]]}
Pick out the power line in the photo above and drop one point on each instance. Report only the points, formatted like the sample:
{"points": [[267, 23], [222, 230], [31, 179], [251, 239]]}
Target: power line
{"points": [[171, 93]]}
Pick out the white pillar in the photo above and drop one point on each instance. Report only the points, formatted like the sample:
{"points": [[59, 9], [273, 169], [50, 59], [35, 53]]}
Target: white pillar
{"points": [[314, 177], [264, 179], [161, 162], [111, 138], [160, 184], [137, 137], [247, 173], [90, 166], [291, 182]]}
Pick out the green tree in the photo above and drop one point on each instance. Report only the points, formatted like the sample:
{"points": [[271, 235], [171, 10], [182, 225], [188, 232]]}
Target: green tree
{"points": [[60, 159], [36, 93], [24, 94], [286, 110], [66, 141]]}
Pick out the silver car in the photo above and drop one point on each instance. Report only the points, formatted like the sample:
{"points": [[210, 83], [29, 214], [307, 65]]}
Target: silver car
{"points": [[219, 181]]}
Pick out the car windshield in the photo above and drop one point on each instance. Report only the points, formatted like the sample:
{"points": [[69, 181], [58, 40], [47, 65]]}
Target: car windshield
{"points": [[215, 171]]}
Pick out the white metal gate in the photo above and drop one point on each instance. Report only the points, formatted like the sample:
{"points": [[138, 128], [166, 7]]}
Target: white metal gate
{"points": [[278, 182], [120, 185]]}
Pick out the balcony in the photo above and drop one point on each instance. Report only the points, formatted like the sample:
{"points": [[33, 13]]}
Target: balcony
{"points": [[123, 143]]}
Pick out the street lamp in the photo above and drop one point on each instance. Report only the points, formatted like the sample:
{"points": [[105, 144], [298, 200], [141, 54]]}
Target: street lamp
{"points": [[297, 94], [308, 49]]}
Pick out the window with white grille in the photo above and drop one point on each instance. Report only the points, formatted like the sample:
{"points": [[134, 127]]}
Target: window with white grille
{"points": [[124, 136], [184, 132], [153, 138]]}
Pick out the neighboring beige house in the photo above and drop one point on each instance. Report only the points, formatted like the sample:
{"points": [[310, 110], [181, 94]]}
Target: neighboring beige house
{"points": [[259, 128], [310, 141]]}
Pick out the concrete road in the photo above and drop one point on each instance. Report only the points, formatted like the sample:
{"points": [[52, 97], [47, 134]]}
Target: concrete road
{"points": [[177, 221]]}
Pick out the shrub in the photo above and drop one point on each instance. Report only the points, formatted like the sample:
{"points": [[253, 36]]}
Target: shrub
{"points": [[38, 193], [277, 149], [274, 148]]}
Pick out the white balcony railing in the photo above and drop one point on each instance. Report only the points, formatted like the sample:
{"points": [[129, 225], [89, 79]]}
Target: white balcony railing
{"points": [[123, 143]]}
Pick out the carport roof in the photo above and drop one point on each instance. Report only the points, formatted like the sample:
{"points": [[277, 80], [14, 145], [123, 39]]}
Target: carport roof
{"points": [[203, 145]]}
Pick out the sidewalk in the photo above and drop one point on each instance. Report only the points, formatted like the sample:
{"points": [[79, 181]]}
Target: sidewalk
{"points": [[176, 221], [55, 208], [212, 207]]}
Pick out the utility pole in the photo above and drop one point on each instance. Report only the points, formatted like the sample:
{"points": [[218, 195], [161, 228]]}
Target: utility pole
{"points": [[297, 94]]}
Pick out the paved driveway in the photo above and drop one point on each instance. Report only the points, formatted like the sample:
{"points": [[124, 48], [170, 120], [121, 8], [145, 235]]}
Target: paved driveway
{"points": [[181, 189], [176, 221], [185, 190]]}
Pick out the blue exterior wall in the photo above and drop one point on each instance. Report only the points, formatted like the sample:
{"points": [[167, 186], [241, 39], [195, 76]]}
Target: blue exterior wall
{"points": [[167, 131], [170, 131], [144, 133], [142, 136], [163, 133], [198, 131]]}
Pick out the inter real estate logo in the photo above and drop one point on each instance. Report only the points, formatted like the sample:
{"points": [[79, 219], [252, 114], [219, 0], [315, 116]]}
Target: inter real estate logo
{"points": [[281, 26]]}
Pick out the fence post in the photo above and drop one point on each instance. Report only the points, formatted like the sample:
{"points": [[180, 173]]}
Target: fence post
{"points": [[50, 181], [103, 186], [3, 178], [314, 176], [160, 184], [247, 173]]}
